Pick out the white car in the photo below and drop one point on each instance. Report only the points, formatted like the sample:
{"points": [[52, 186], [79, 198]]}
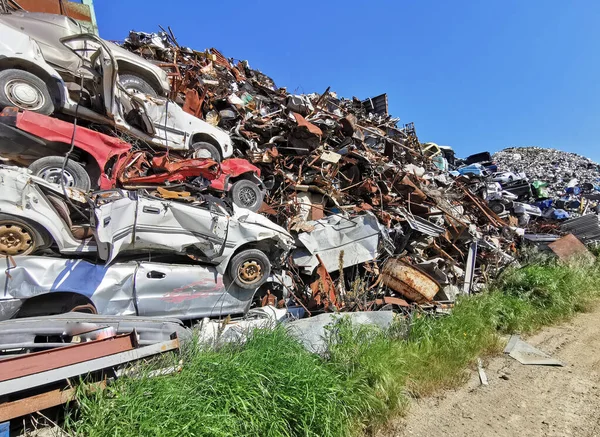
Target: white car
{"points": [[93, 89], [505, 177], [36, 215]]}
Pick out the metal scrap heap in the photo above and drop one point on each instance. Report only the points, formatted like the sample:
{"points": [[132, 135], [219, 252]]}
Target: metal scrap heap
{"points": [[167, 181], [148, 180], [376, 221]]}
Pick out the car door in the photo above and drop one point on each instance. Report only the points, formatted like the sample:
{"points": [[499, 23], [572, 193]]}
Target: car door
{"points": [[187, 292], [170, 127], [115, 216], [175, 226]]}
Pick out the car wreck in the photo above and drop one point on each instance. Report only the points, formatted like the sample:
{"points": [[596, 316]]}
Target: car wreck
{"points": [[36, 215], [84, 72], [41, 285], [102, 161]]}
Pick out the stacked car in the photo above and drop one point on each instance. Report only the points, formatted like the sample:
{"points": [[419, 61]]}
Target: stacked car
{"points": [[172, 231]]}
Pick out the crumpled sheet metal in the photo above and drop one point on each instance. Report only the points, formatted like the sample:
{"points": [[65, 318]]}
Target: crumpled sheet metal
{"points": [[312, 332], [128, 288], [147, 224], [22, 333], [359, 238], [141, 168]]}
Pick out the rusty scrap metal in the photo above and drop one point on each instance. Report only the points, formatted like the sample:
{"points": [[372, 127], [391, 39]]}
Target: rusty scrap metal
{"points": [[409, 281], [23, 365]]}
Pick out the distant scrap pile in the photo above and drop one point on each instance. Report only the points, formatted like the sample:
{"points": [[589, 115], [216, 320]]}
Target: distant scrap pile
{"points": [[564, 185], [559, 169]]}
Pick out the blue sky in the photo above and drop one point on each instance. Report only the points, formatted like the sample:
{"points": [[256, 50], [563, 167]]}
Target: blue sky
{"points": [[475, 75]]}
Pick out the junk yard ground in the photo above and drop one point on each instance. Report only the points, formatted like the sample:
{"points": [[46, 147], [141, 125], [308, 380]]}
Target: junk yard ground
{"points": [[154, 196]]}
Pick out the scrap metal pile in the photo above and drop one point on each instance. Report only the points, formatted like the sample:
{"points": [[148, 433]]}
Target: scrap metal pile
{"points": [[374, 217], [563, 184], [167, 182], [232, 193]]}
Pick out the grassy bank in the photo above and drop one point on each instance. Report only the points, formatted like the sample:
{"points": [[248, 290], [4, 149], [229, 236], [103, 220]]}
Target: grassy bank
{"points": [[272, 387]]}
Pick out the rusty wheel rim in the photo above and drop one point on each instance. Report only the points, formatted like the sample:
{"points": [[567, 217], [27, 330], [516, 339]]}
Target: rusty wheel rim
{"points": [[250, 272], [14, 239]]}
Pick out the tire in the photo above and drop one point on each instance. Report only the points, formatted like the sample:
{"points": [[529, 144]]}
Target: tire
{"points": [[25, 91], [246, 194], [49, 168], [21, 237], [249, 269], [134, 83], [203, 149], [497, 207]]}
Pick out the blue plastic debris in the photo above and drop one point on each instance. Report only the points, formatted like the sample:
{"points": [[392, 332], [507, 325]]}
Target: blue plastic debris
{"points": [[560, 214], [544, 204]]}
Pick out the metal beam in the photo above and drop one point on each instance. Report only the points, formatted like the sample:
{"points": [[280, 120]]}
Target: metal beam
{"points": [[50, 376], [37, 362], [470, 268], [22, 407]]}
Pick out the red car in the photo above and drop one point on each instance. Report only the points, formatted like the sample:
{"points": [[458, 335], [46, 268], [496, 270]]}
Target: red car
{"points": [[100, 161]]}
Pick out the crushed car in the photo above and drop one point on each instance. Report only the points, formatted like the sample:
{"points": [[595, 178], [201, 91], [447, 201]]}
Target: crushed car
{"points": [[136, 73], [29, 82], [505, 177], [36, 215], [102, 161], [41, 285]]}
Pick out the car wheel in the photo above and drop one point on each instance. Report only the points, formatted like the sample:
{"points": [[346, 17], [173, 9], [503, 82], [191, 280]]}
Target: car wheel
{"points": [[246, 194], [50, 168], [497, 207], [204, 150], [20, 237], [250, 269], [135, 84], [25, 91]]}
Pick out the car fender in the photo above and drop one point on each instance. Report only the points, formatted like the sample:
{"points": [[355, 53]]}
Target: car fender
{"points": [[233, 169], [22, 197], [47, 218], [248, 227], [18, 49], [99, 146]]}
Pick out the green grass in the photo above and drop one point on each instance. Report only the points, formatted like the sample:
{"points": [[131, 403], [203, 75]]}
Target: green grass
{"points": [[272, 387]]}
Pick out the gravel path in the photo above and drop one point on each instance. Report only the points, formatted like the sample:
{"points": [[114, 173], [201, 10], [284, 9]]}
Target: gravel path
{"points": [[522, 400]]}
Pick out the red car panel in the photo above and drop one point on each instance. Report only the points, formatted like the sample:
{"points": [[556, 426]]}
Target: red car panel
{"points": [[103, 147], [100, 146]]}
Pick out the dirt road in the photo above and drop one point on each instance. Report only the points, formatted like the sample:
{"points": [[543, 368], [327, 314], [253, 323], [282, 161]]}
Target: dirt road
{"points": [[523, 400]]}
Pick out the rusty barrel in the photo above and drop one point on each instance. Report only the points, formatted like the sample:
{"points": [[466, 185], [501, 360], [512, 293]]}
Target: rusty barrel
{"points": [[409, 281]]}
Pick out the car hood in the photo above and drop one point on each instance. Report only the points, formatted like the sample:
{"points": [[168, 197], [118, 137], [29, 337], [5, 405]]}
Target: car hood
{"points": [[47, 30]]}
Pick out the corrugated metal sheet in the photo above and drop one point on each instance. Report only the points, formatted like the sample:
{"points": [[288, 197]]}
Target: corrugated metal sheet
{"points": [[586, 228]]}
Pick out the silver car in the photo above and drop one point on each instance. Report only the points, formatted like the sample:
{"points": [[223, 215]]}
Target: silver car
{"points": [[37, 286], [47, 30]]}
